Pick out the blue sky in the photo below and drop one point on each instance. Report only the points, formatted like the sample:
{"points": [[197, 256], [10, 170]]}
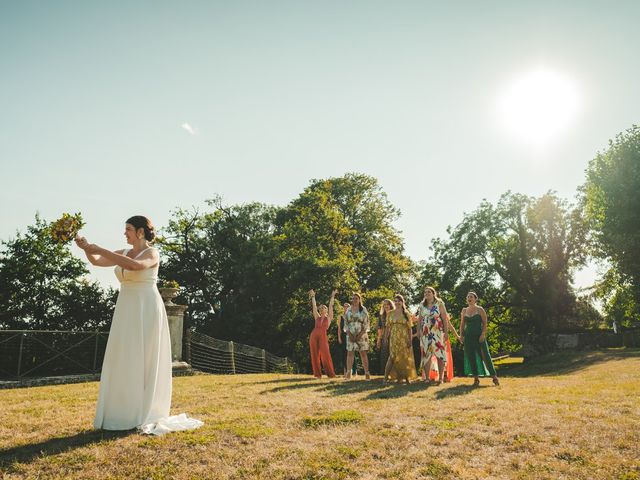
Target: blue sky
{"points": [[94, 96]]}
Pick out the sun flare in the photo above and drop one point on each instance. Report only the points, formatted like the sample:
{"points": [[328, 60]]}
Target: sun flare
{"points": [[539, 105]]}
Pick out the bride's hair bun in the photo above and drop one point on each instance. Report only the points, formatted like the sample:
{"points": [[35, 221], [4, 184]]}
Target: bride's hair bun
{"points": [[139, 221]]}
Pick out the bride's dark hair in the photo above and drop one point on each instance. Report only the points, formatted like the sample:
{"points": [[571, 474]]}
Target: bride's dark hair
{"points": [[138, 221]]}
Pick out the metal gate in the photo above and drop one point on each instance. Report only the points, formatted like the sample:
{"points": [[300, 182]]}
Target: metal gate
{"points": [[209, 354], [43, 353]]}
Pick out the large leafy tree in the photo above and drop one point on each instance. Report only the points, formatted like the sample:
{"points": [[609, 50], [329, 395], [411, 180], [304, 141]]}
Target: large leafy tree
{"points": [[375, 246], [611, 197], [221, 258], [313, 252], [519, 255], [42, 286]]}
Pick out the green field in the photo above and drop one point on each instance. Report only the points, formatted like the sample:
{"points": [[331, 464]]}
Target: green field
{"points": [[574, 416]]}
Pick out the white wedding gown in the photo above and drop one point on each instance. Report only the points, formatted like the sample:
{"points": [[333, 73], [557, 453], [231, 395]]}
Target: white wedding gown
{"points": [[135, 384]]}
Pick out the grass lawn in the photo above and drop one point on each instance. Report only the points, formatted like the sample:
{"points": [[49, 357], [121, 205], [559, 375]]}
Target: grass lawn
{"points": [[573, 416]]}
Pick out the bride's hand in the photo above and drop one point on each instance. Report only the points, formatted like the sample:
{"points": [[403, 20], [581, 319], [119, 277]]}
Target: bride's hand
{"points": [[82, 242]]}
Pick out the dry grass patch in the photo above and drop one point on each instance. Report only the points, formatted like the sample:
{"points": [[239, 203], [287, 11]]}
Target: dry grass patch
{"points": [[437, 470], [560, 417], [341, 417]]}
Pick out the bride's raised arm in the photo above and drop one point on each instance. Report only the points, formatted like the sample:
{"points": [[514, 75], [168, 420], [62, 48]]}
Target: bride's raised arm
{"points": [[147, 259], [106, 258], [93, 258]]}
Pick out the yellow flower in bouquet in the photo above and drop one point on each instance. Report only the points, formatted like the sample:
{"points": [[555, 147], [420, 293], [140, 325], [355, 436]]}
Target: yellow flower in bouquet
{"points": [[66, 227]]}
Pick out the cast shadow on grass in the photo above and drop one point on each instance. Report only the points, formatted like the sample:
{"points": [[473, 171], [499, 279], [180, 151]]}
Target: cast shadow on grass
{"points": [[457, 391], [562, 363], [375, 389], [297, 378], [336, 387], [53, 446], [397, 390]]}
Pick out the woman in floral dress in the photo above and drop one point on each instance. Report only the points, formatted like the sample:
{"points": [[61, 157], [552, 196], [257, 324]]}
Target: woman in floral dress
{"points": [[432, 316], [342, 349], [356, 326], [400, 365], [448, 374]]}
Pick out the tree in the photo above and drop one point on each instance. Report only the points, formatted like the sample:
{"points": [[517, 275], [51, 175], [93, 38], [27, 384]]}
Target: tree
{"points": [[519, 256], [313, 251], [41, 286], [221, 259], [611, 199], [338, 233], [377, 248]]}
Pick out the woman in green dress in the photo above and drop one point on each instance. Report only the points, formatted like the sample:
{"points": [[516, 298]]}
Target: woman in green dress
{"points": [[400, 365], [473, 326]]}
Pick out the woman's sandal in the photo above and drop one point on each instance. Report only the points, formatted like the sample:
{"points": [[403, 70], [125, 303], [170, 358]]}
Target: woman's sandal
{"points": [[496, 382], [476, 382]]}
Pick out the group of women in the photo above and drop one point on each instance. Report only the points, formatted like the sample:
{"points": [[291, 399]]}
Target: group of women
{"points": [[396, 325]]}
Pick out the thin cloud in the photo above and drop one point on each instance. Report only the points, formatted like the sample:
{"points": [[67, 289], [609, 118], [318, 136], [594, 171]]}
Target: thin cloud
{"points": [[190, 130]]}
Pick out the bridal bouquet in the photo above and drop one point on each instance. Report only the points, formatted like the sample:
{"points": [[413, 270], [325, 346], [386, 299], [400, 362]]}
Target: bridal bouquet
{"points": [[66, 228]]}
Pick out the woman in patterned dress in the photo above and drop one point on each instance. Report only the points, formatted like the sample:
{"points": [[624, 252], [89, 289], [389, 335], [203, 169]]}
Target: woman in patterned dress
{"points": [[356, 326], [343, 343], [448, 374], [432, 316], [400, 365]]}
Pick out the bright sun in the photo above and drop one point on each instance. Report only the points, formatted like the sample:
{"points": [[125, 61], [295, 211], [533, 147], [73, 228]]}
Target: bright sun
{"points": [[539, 105]]}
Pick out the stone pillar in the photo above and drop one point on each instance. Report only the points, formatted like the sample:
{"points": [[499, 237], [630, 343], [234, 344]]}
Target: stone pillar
{"points": [[175, 315]]}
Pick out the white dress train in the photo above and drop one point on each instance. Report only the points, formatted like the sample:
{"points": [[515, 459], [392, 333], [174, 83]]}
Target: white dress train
{"points": [[135, 384]]}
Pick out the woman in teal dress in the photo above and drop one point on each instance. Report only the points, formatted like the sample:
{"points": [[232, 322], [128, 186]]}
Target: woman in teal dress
{"points": [[473, 326]]}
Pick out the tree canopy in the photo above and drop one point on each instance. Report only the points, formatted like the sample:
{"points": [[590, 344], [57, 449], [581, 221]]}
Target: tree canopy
{"points": [[611, 198], [519, 255], [42, 286]]}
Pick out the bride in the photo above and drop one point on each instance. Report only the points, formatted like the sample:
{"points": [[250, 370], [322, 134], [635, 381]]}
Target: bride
{"points": [[135, 384]]}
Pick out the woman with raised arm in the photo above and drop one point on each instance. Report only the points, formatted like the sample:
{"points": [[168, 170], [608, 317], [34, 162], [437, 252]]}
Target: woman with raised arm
{"points": [[473, 326], [357, 330], [318, 342], [432, 315], [135, 383], [400, 365]]}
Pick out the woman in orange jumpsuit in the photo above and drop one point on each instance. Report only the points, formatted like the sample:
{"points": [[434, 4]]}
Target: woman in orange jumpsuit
{"points": [[318, 342]]}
